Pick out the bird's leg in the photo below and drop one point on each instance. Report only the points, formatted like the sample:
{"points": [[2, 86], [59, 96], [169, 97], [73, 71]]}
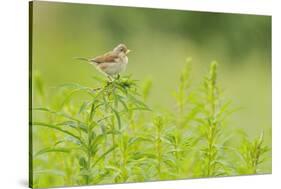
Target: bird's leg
{"points": [[115, 77]]}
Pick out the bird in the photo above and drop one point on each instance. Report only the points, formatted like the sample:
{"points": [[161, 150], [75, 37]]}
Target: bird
{"points": [[111, 63]]}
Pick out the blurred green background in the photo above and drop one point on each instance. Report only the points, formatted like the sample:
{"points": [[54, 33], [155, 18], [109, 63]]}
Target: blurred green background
{"points": [[161, 41]]}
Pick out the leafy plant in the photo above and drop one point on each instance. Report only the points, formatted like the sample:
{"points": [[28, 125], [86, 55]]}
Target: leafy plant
{"points": [[253, 154], [211, 122], [107, 134], [96, 119]]}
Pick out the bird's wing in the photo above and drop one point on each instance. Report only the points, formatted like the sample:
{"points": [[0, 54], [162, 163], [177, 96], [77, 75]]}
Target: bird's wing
{"points": [[106, 58]]}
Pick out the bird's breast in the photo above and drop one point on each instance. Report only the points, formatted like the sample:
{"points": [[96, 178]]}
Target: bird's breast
{"points": [[122, 60], [126, 60]]}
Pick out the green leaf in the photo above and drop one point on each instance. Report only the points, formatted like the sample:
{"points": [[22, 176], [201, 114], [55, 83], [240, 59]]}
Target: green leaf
{"points": [[50, 172], [94, 106], [99, 177], [97, 139], [138, 102], [115, 132], [85, 172], [97, 78], [56, 113], [116, 113], [120, 99], [115, 169], [122, 90], [104, 118], [83, 107], [73, 124], [170, 162], [56, 128], [134, 140], [137, 157], [82, 162], [51, 149], [103, 155]]}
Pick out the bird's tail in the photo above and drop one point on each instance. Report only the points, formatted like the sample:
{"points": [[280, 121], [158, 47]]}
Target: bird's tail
{"points": [[82, 58]]}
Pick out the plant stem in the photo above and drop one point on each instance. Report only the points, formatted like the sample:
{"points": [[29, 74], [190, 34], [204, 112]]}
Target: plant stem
{"points": [[113, 139], [212, 124], [158, 123]]}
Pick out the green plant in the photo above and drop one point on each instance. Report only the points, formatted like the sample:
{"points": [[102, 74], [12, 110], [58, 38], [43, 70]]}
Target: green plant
{"points": [[253, 154], [213, 112], [87, 129], [108, 134], [179, 148], [158, 123], [181, 95]]}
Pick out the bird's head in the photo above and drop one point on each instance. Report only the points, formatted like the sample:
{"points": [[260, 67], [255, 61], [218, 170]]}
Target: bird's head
{"points": [[121, 48]]}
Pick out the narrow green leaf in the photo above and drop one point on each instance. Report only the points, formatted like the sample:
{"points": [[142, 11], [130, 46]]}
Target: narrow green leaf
{"points": [[51, 149], [49, 171], [82, 162], [103, 155], [97, 78], [56, 128], [83, 107], [57, 113], [143, 105], [117, 117], [73, 124]]}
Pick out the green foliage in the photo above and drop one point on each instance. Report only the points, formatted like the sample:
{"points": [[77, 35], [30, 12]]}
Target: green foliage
{"points": [[184, 85], [96, 119], [108, 134], [211, 124], [253, 153]]}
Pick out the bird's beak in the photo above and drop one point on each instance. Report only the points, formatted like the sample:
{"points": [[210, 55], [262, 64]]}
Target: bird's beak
{"points": [[127, 52]]}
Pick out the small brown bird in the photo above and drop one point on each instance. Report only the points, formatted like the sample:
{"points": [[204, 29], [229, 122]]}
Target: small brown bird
{"points": [[111, 63]]}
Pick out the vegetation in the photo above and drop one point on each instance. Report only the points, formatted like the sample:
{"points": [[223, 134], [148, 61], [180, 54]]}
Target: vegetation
{"points": [[110, 134]]}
